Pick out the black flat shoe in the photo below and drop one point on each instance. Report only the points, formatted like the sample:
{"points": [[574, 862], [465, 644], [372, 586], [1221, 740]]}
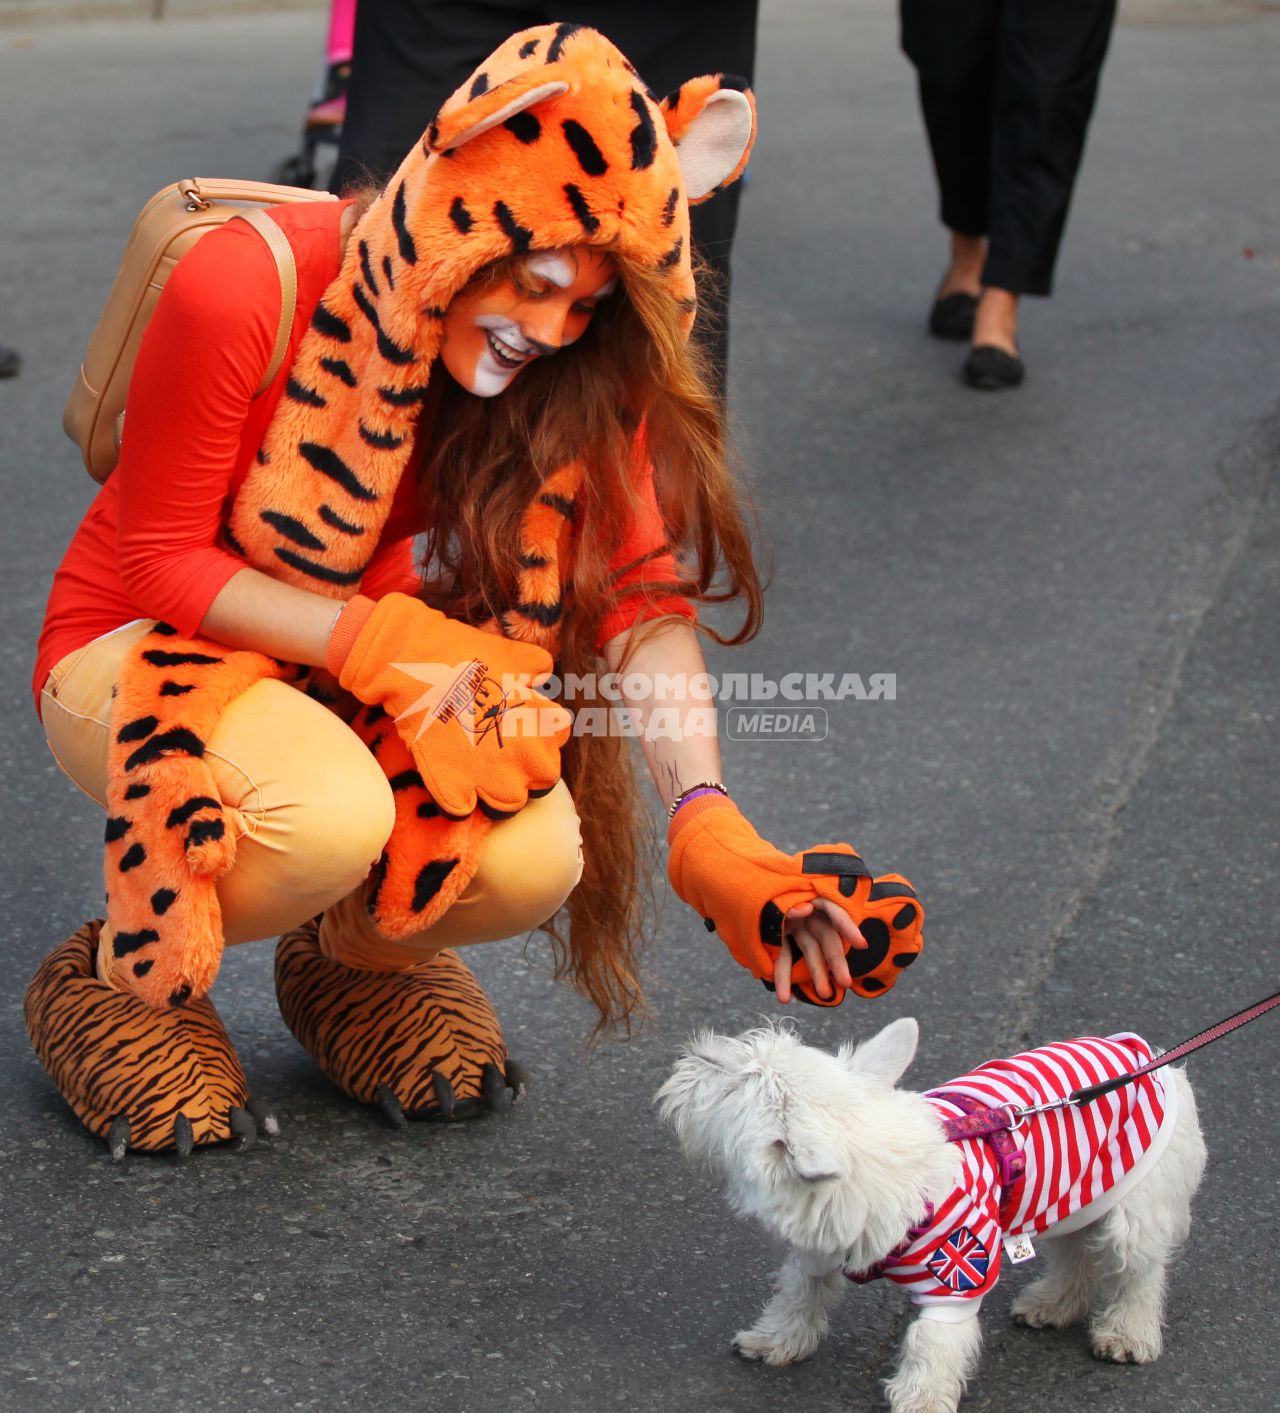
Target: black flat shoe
{"points": [[991, 368], [10, 362], [952, 316]]}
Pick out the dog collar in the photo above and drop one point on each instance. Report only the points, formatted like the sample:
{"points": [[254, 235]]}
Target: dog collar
{"points": [[877, 1268], [996, 1128]]}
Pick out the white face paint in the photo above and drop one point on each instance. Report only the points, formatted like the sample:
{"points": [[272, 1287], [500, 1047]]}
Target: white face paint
{"points": [[492, 334], [503, 353]]}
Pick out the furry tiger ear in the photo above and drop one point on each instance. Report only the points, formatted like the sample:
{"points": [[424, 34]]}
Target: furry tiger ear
{"points": [[888, 1054], [712, 121], [487, 108]]}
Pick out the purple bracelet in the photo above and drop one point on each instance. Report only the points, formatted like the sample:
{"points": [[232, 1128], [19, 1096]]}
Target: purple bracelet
{"points": [[693, 795]]}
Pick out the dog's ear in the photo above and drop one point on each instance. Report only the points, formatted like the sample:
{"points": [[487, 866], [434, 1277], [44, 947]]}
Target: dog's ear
{"points": [[811, 1156], [887, 1055], [705, 1071]]}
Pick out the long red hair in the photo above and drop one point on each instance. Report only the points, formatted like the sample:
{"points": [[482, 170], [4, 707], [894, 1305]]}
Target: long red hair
{"points": [[631, 376]]}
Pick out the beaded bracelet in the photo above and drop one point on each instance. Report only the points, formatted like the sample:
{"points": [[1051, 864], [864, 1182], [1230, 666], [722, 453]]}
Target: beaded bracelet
{"points": [[701, 788]]}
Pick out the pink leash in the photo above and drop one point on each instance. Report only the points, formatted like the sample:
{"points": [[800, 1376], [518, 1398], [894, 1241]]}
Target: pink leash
{"points": [[998, 1125], [1205, 1037]]}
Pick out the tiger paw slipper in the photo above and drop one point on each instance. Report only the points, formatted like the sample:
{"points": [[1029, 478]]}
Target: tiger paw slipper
{"points": [[151, 1080], [423, 1043]]}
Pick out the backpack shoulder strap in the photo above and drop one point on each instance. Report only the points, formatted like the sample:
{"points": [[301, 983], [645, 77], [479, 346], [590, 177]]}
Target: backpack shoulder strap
{"points": [[278, 244]]}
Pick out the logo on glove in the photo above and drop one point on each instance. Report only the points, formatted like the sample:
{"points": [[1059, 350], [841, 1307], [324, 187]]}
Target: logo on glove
{"points": [[476, 700]]}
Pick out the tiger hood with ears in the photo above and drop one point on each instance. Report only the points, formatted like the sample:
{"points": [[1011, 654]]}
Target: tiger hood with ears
{"points": [[555, 141]]}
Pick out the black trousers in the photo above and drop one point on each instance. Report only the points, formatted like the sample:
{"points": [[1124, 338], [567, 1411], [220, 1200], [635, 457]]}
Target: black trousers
{"points": [[1007, 88], [410, 55]]}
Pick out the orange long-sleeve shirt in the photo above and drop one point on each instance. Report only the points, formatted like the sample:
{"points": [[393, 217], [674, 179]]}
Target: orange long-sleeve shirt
{"points": [[148, 545]]}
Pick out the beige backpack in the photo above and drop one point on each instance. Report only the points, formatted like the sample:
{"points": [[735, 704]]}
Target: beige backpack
{"points": [[166, 228]]}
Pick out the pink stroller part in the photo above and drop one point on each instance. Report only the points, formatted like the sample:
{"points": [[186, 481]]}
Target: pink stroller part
{"points": [[323, 123], [342, 31]]}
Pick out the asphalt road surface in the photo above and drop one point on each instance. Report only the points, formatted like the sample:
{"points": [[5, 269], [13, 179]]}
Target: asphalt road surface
{"points": [[1076, 588]]}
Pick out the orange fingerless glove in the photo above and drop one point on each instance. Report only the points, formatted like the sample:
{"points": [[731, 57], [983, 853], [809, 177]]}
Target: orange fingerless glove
{"points": [[743, 888], [475, 734]]}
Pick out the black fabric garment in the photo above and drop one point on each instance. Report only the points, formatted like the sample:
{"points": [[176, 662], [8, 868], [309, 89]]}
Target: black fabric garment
{"points": [[1007, 88], [410, 56]]}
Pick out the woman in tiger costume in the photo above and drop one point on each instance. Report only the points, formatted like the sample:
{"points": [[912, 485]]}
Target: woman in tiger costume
{"points": [[295, 647]]}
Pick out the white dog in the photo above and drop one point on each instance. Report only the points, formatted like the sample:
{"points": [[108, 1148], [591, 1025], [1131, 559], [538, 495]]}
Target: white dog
{"points": [[861, 1180]]}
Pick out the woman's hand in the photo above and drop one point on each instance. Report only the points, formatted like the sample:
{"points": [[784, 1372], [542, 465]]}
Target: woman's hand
{"points": [[823, 933], [811, 925], [461, 699]]}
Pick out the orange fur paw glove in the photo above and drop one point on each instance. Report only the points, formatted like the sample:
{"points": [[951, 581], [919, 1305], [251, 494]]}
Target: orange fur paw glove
{"points": [[477, 732], [743, 888]]}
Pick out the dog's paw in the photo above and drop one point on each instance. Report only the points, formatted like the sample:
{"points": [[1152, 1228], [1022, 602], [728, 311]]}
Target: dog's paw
{"points": [[1039, 1307], [1125, 1346], [913, 1399], [775, 1347]]}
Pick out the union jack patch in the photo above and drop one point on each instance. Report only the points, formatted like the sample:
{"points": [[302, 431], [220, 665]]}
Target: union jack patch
{"points": [[960, 1262]]}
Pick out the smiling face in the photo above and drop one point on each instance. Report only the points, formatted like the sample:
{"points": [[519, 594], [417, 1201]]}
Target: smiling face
{"points": [[493, 331]]}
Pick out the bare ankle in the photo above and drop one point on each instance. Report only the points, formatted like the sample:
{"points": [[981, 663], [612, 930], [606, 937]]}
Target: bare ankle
{"points": [[964, 273], [995, 323]]}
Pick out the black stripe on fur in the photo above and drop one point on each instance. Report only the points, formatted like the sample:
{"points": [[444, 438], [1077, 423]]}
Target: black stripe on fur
{"points": [[368, 268], [133, 857], [672, 256], [340, 369], [520, 236], [563, 504], [429, 882], [322, 572], [179, 741], [383, 441], [347, 527], [326, 322], [295, 391], [162, 900], [408, 251], [644, 138], [590, 158], [460, 216], [122, 943], [157, 657], [548, 614], [562, 33], [292, 529], [137, 730], [525, 126], [581, 210], [403, 397], [180, 814], [388, 348], [327, 461]]}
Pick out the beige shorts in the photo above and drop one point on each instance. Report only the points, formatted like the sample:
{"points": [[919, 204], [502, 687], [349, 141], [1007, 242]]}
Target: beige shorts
{"points": [[311, 811]]}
